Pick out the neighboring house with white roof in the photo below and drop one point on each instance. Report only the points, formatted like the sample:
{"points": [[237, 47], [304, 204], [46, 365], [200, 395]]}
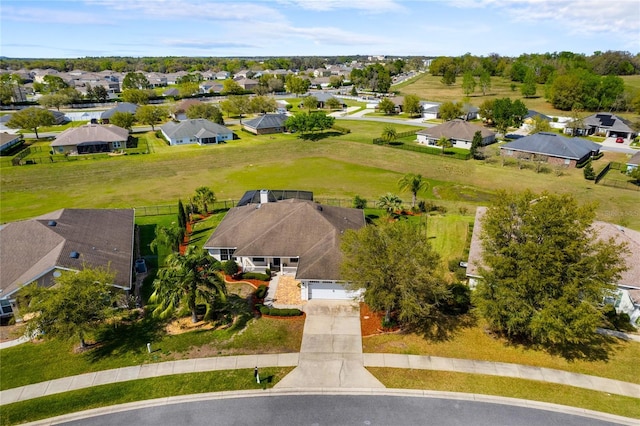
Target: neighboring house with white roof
{"points": [[199, 130], [459, 132], [39, 249], [8, 140], [294, 236], [633, 162], [90, 139]]}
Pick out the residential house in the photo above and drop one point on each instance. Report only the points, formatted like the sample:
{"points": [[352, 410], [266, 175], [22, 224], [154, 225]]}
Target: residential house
{"points": [[322, 72], [40, 249], [431, 111], [552, 148], [199, 130], [265, 124], [247, 83], [179, 111], [210, 87], [125, 107], [602, 124], [8, 140], [90, 139], [156, 79], [627, 296], [294, 236], [459, 132], [323, 98], [222, 75], [172, 91], [633, 162]]}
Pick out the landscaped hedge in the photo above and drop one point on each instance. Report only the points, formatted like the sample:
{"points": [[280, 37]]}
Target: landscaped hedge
{"points": [[261, 292], [256, 276], [277, 312]]}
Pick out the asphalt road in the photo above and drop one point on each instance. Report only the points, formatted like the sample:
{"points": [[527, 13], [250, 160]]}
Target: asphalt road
{"points": [[325, 410]]}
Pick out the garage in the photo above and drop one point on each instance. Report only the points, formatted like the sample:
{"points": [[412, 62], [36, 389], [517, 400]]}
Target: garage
{"points": [[329, 290]]}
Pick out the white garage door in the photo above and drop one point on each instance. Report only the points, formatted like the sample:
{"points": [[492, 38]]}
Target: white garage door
{"points": [[329, 290]]}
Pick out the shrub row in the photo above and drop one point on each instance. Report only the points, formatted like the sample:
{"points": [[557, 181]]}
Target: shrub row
{"points": [[277, 312], [261, 292], [340, 129], [256, 276]]}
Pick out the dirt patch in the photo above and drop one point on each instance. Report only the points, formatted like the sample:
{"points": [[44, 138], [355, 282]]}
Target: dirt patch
{"points": [[184, 325], [11, 332]]}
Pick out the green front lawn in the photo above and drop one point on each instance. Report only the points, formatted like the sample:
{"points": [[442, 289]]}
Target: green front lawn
{"points": [[508, 387], [474, 342], [137, 390], [125, 345]]}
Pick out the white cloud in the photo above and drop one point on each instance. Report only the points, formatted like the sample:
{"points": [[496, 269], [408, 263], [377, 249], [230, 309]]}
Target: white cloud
{"points": [[335, 36], [369, 6], [192, 10], [52, 16], [205, 44], [580, 17]]}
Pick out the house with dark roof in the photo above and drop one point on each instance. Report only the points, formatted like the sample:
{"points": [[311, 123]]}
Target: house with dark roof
{"points": [[90, 139], [40, 249], [198, 130], [294, 236], [602, 124], [126, 107], [431, 111], [8, 140], [633, 162], [459, 132], [552, 148], [265, 124], [179, 111]]}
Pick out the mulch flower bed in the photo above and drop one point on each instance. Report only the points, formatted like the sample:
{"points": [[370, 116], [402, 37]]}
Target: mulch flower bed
{"points": [[371, 322]]}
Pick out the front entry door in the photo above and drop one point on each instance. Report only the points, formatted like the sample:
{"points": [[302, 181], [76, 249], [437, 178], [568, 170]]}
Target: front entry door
{"points": [[276, 264]]}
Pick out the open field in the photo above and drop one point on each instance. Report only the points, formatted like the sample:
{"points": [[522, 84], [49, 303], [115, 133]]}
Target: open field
{"points": [[430, 88], [509, 387], [338, 166]]}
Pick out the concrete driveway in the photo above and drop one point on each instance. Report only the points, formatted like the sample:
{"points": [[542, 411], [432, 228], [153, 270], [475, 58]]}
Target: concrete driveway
{"points": [[331, 352]]}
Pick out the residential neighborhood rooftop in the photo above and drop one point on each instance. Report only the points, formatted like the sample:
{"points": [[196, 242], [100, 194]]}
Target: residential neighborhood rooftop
{"points": [[554, 145]]}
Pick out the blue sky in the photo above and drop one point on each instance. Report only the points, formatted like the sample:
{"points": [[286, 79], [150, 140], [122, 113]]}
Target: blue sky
{"points": [[78, 28]]}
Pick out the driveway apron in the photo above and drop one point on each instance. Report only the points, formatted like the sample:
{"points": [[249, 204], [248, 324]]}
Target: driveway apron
{"points": [[331, 352]]}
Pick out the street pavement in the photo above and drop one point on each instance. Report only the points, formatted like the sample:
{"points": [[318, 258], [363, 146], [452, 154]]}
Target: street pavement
{"points": [[330, 358]]}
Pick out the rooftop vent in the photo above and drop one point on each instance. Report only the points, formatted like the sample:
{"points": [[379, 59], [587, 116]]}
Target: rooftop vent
{"points": [[52, 223], [74, 255]]}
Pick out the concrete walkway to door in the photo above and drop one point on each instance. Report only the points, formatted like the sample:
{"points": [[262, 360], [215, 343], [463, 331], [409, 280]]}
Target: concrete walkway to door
{"points": [[331, 353]]}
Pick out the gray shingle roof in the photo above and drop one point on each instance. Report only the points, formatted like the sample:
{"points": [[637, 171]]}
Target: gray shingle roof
{"points": [[190, 128], [102, 237], [266, 121], [121, 107], [604, 230], [91, 133], [635, 159], [455, 129], [289, 228], [608, 121], [553, 145]]}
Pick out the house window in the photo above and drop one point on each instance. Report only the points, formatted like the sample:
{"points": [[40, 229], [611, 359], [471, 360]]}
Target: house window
{"points": [[117, 144], [225, 254], [293, 260], [509, 151], [567, 161], [258, 259]]}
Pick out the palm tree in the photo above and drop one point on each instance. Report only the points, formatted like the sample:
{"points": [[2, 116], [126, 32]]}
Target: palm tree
{"points": [[190, 279], [168, 236], [444, 142], [390, 203], [389, 134], [413, 183], [204, 198]]}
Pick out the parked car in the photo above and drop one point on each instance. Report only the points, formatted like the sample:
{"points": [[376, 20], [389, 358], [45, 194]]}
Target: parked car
{"points": [[619, 140]]}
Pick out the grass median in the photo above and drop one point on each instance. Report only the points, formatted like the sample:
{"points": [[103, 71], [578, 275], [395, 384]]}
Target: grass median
{"points": [[138, 390], [508, 387]]}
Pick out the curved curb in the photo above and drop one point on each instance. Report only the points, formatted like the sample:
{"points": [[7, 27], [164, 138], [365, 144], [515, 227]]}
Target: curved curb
{"points": [[337, 391]]}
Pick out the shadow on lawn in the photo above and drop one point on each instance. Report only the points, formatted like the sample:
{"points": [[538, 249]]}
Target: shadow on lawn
{"points": [[318, 136], [442, 327], [125, 337]]}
